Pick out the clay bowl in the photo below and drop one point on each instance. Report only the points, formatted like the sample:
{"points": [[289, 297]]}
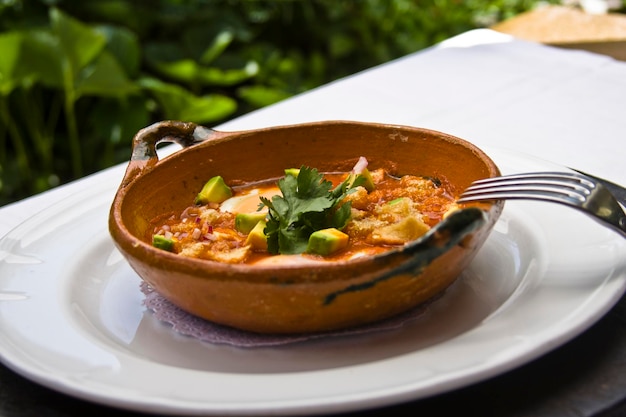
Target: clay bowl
{"points": [[297, 299]]}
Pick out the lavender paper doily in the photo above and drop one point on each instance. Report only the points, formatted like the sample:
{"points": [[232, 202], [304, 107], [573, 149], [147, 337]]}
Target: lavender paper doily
{"points": [[192, 326]]}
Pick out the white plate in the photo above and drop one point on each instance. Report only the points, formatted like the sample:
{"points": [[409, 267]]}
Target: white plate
{"points": [[72, 319]]}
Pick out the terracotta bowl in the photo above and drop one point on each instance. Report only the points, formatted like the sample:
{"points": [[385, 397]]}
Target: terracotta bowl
{"points": [[297, 299]]}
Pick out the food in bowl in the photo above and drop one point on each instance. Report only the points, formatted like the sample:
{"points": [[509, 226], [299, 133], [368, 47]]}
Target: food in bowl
{"points": [[305, 216], [301, 297]]}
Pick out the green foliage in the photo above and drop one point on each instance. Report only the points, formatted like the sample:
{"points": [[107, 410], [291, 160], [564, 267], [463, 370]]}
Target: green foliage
{"points": [[78, 79]]}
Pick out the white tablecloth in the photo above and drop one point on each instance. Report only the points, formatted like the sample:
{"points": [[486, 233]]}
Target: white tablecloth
{"points": [[565, 106]]}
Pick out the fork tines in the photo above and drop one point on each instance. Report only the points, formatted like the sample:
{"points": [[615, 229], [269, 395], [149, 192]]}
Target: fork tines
{"points": [[552, 186]]}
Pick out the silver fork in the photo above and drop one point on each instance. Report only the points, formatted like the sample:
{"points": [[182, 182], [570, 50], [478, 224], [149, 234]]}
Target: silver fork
{"points": [[571, 189]]}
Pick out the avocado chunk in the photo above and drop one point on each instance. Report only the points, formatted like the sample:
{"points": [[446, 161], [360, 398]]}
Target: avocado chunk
{"points": [[245, 222], [161, 242], [256, 238], [363, 179], [327, 241], [214, 191], [292, 171], [366, 179]]}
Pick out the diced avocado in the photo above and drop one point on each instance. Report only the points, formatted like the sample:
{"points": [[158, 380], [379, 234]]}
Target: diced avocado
{"points": [[256, 238], [245, 222], [292, 171], [363, 179], [214, 191], [327, 241], [368, 182], [161, 242]]}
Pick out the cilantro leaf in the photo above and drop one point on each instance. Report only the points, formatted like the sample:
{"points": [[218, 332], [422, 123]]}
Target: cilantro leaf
{"points": [[308, 203]]}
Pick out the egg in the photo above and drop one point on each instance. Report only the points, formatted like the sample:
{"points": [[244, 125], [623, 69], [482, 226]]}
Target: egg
{"points": [[249, 201]]}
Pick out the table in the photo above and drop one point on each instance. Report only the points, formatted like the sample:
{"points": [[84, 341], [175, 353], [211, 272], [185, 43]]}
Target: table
{"points": [[564, 106]]}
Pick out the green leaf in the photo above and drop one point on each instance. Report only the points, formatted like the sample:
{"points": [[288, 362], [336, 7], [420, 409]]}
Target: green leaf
{"points": [[180, 104], [104, 77], [219, 45], [261, 96], [185, 70], [191, 72], [80, 44], [341, 216], [42, 58], [10, 44], [124, 45], [228, 77]]}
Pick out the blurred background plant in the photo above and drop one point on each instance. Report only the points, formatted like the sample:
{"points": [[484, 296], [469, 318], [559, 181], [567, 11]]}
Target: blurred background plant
{"points": [[78, 79]]}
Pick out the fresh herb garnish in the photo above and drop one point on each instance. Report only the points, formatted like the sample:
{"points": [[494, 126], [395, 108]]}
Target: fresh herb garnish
{"points": [[308, 203]]}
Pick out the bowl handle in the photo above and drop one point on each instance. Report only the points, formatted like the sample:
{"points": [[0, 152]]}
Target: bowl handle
{"points": [[144, 154]]}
